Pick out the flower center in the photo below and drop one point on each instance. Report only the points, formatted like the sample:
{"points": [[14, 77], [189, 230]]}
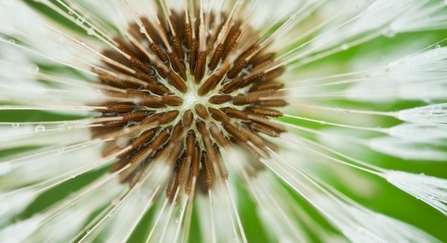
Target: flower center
{"points": [[190, 99], [181, 91]]}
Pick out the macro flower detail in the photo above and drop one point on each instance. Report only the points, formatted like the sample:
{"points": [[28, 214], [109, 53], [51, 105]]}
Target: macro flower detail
{"points": [[223, 121], [175, 111]]}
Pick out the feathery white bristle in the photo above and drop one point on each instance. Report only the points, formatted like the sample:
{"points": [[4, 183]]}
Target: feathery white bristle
{"points": [[20, 231], [425, 15], [118, 223], [362, 225], [21, 83], [355, 222], [96, 11], [427, 115], [67, 219], [61, 228], [63, 220], [429, 189], [42, 134], [435, 134], [276, 213], [14, 203], [206, 220], [67, 162], [224, 218], [5, 168], [408, 149], [382, 17], [45, 44], [401, 79]]}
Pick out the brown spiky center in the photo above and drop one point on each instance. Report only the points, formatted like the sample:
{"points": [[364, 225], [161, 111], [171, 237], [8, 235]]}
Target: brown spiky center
{"points": [[182, 96]]}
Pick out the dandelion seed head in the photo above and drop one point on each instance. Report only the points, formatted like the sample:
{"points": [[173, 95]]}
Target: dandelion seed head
{"points": [[186, 121]]}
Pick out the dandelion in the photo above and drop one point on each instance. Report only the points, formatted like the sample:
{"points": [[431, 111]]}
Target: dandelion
{"points": [[223, 121]]}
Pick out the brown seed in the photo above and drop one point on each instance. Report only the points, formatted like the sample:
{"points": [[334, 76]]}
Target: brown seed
{"points": [[206, 170], [168, 117], [266, 129], [202, 112], [143, 138], [118, 108], [177, 47], [217, 55], [135, 116], [237, 68], [160, 139], [188, 118], [188, 35], [220, 164], [200, 67], [272, 103], [183, 170], [219, 115], [177, 65], [265, 86], [160, 54], [264, 111], [153, 102], [140, 65], [176, 81], [172, 185], [193, 56], [117, 82], [245, 100], [177, 132], [218, 135], [231, 41], [194, 170], [220, 99], [235, 113], [236, 133], [209, 84], [157, 89], [172, 100], [152, 120], [190, 141]]}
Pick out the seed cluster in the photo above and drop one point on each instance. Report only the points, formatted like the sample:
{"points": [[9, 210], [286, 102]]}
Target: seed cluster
{"points": [[188, 89]]}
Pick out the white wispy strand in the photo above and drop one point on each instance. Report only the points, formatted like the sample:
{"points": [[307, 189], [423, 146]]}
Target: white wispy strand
{"points": [[68, 216], [408, 149], [433, 134], [51, 50], [66, 161], [425, 115], [356, 223], [362, 225], [387, 17], [273, 203], [276, 211], [429, 189], [401, 79], [13, 203], [42, 134], [398, 80], [118, 222]]}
